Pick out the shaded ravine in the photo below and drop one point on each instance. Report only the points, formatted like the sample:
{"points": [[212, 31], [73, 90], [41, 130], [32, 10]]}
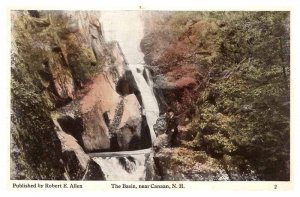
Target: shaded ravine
{"points": [[129, 165]]}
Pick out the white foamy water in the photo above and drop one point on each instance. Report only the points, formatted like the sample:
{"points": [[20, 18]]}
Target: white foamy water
{"points": [[123, 168], [151, 109], [126, 27]]}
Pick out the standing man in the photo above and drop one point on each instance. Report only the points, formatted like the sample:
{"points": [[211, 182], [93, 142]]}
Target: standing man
{"points": [[172, 125]]}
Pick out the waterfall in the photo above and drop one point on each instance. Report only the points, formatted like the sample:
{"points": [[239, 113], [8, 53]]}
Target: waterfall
{"points": [[151, 109], [124, 168], [126, 27]]}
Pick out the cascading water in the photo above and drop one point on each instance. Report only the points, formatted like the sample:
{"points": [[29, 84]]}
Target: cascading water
{"points": [[126, 27], [131, 168], [151, 109]]}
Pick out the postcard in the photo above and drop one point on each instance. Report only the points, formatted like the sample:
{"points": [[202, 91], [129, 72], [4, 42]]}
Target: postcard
{"points": [[150, 99]]}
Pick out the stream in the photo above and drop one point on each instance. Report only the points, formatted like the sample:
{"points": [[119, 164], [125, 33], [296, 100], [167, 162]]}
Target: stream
{"points": [[126, 27]]}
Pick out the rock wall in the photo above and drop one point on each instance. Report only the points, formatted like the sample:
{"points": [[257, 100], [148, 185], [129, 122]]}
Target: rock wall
{"points": [[70, 96]]}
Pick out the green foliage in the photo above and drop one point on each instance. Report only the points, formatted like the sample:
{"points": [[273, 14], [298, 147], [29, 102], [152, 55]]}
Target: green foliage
{"points": [[243, 103], [83, 64], [43, 49], [252, 86], [219, 144], [33, 130], [38, 148]]}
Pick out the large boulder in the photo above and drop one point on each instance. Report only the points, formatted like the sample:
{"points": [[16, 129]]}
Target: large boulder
{"points": [[131, 122], [111, 121], [100, 100]]}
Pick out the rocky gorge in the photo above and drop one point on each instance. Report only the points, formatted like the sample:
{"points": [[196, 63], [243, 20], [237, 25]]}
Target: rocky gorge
{"points": [[80, 92], [175, 96]]}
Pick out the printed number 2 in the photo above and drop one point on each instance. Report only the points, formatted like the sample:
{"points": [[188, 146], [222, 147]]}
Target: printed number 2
{"points": [[275, 186]]}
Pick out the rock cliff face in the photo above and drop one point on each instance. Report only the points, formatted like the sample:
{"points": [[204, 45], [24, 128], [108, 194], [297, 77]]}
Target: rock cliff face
{"points": [[70, 95]]}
